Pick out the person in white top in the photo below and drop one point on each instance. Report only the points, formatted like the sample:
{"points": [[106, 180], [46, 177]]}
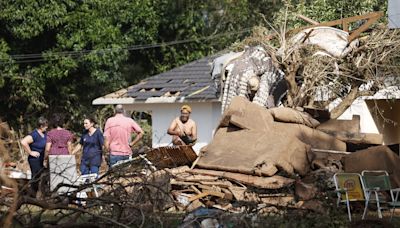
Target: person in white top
{"points": [[183, 129]]}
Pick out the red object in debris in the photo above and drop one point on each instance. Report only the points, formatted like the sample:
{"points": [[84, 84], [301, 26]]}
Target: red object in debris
{"points": [[10, 164]]}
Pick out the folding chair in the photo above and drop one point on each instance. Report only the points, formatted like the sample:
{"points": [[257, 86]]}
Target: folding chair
{"points": [[349, 187], [377, 182]]}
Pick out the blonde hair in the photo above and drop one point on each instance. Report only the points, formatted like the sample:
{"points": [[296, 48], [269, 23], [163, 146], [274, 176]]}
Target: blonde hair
{"points": [[187, 108]]}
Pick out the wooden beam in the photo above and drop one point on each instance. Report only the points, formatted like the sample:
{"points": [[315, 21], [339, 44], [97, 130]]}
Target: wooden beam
{"points": [[306, 19], [372, 18]]}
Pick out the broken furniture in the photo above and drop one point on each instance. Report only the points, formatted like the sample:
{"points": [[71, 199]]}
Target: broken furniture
{"points": [[171, 156], [349, 187], [87, 179], [377, 183], [251, 140]]}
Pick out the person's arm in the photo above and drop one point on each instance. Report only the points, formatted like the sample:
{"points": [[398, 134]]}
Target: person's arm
{"points": [[172, 127], [46, 153], [106, 144], [107, 137], [69, 147], [194, 132], [77, 148], [100, 138], [25, 144], [139, 133], [139, 136], [69, 143]]}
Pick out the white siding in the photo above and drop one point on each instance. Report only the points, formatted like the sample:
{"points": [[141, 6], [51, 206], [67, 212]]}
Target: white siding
{"points": [[394, 13], [359, 107], [206, 115]]}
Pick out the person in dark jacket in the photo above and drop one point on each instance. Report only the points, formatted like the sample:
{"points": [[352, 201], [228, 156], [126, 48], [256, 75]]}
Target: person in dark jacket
{"points": [[92, 141]]}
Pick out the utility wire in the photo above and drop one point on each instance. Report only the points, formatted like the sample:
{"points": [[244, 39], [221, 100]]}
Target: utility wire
{"points": [[39, 57]]}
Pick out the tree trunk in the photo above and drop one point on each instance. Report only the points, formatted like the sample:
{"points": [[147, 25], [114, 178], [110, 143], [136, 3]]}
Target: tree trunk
{"points": [[346, 103]]}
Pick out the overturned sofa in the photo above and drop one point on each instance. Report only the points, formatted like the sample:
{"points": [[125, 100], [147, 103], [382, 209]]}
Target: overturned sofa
{"points": [[257, 141]]}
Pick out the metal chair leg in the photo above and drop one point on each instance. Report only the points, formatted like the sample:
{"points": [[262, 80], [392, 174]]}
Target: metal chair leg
{"points": [[348, 206], [378, 205], [366, 204]]}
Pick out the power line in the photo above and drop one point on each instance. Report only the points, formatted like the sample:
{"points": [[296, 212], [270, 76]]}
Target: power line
{"points": [[39, 57]]}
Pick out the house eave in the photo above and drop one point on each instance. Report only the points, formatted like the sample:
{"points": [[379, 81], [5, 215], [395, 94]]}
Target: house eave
{"points": [[113, 101], [152, 100]]}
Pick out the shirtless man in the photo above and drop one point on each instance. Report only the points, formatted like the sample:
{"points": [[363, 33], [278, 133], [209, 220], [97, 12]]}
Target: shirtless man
{"points": [[183, 129]]}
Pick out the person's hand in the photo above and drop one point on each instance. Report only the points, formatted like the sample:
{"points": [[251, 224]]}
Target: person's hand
{"points": [[106, 158], [34, 154]]}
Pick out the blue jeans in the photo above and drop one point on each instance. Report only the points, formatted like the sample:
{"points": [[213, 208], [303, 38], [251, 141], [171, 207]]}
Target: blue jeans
{"points": [[86, 169], [116, 158]]}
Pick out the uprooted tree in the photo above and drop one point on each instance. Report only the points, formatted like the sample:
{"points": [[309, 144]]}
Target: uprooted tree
{"points": [[319, 65]]}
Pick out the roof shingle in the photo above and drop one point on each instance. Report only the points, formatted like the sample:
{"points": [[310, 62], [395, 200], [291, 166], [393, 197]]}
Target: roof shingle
{"points": [[191, 82]]}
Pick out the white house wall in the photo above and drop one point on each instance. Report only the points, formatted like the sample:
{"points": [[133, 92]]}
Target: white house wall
{"points": [[206, 115], [359, 107], [379, 116]]}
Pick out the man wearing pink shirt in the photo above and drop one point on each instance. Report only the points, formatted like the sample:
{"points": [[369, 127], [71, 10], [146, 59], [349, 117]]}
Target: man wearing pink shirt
{"points": [[118, 133]]}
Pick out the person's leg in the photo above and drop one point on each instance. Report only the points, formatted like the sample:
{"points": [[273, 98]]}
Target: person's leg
{"points": [[36, 167], [116, 158], [84, 168], [113, 160], [94, 169], [124, 158]]}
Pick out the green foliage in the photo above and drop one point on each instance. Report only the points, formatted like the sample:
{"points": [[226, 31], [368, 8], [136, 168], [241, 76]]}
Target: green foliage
{"points": [[65, 77], [325, 10]]}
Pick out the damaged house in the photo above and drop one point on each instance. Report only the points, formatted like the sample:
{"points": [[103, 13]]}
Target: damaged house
{"points": [[162, 95], [209, 84]]}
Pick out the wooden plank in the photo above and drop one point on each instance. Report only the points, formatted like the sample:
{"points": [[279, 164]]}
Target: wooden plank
{"points": [[194, 205], [195, 189], [306, 19], [223, 184], [363, 27], [177, 170], [175, 182], [199, 196], [274, 182], [195, 178], [372, 17], [228, 194], [238, 192], [215, 193], [207, 193]]}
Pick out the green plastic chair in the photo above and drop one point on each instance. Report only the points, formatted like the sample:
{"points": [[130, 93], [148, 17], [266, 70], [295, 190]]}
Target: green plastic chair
{"points": [[376, 182]]}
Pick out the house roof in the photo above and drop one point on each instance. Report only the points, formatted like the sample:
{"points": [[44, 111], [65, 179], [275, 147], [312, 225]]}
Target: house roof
{"points": [[190, 82]]}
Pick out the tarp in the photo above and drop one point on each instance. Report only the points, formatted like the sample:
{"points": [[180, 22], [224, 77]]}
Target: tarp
{"points": [[374, 158]]}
